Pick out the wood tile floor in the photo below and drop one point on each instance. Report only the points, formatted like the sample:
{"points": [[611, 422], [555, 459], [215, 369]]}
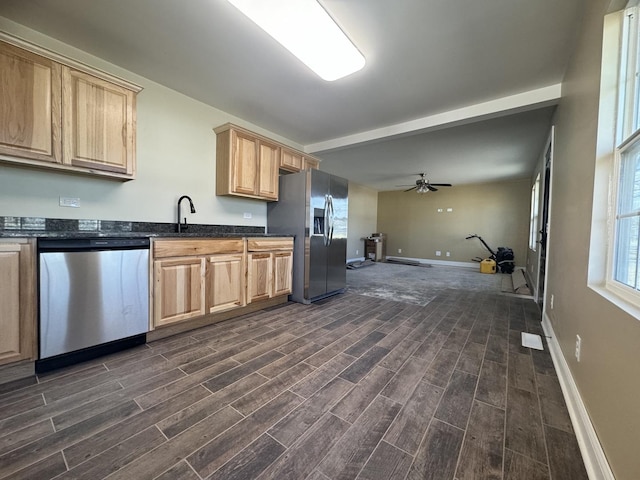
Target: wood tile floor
{"points": [[353, 387]]}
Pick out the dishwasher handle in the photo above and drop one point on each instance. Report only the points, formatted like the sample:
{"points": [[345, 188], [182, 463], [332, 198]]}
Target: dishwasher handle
{"points": [[101, 243]]}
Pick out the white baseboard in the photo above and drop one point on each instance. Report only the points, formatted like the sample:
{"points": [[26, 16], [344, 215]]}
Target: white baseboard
{"points": [[475, 265], [357, 259], [593, 455]]}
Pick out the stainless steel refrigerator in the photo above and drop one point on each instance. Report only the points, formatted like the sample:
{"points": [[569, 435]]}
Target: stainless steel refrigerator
{"points": [[313, 206]]}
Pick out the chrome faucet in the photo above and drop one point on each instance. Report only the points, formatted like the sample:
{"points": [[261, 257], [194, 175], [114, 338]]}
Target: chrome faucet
{"points": [[184, 226]]}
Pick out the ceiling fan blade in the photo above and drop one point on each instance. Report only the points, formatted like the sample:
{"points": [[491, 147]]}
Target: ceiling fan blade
{"points": [[432, 188], [441, 184], [409, 189], [405, 185]]}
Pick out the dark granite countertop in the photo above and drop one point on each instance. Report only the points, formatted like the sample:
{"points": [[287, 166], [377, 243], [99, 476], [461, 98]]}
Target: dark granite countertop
{"points": [[65, 228]]}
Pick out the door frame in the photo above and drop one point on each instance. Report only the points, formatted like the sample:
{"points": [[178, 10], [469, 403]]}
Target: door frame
{"points": [[547, 190]]}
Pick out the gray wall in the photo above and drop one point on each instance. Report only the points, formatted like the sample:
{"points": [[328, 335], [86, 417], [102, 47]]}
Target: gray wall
{"points": [[498, 212], [608, 375], [363, 212]]}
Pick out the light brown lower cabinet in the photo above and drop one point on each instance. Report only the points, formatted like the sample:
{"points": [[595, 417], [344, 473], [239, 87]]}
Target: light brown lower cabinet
{"points": [[193, 277], [259, 277], [196, 277], [282, 270], [224, 284], [179, 289], [17, 301], [269, 275], [269, 269]]}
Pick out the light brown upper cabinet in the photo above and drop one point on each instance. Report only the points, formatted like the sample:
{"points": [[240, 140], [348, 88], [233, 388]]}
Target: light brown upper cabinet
{"points": [[98, 123], [30, 105], [246, 164], [59, 114], [311, 163], [291, 160]]}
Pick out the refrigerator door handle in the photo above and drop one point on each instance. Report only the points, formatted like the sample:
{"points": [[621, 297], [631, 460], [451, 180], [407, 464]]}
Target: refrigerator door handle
{"points": [[325, 229], [331, 219]]}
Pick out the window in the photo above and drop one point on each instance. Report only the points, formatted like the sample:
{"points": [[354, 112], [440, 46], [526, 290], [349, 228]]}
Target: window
{"points": [[535, 207], [624, 257]]}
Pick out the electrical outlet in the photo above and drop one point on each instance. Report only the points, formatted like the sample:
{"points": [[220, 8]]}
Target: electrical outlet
{"points": [[440, 210], [578, 347], [448, 254], [247, 215], [399, 250], [438, 253], [551, 302], [449, 210], [357, 252], [70, 202]]}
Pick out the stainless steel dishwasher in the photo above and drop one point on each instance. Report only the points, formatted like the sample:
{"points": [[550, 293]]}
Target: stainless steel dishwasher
{"points": [[94, 297]]}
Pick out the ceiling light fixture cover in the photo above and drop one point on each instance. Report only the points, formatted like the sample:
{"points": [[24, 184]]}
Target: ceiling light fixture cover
{"points": [[305, 29]]}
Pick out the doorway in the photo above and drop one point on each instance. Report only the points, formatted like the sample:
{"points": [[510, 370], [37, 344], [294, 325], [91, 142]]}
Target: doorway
{"points": [[544, 221]]}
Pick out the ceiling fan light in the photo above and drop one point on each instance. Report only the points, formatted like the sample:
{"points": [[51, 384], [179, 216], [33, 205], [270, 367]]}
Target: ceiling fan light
{"points": [[305, 29]]}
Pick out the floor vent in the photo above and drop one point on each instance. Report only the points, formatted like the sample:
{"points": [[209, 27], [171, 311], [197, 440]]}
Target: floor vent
{"points": [[530, 340]]}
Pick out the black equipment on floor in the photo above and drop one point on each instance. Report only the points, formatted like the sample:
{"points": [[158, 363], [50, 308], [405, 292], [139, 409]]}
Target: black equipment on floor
{"points": [[504, 257]]}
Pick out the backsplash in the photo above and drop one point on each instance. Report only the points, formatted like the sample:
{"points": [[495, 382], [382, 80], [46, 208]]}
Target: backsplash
{"points": [[39, 226]]}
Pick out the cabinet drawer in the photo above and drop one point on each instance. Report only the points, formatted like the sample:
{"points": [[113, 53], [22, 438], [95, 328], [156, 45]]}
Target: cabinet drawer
{"points": [[269, 244], [184, 248]]}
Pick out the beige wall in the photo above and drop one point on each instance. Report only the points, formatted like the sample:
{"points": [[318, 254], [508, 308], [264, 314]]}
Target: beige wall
{"points": [[498, 212], [608, 375], [175, 152], [363, 213]]}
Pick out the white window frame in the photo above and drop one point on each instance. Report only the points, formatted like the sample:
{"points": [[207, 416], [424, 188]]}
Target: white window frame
{"points": [[535, 213], [627, 138]]}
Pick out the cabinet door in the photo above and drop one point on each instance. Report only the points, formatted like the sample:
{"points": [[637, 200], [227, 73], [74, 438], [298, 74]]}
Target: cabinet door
{"points": [[269, 166], [98, 123], [17, 301], [224, 282], [282, 268], [178, 289], [244, 160], [10, 304], [290, 160], [259, 277], [30, 102], [310, 163]]}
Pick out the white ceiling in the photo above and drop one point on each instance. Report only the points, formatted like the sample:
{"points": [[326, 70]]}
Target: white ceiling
{"points": [[461, 90]]}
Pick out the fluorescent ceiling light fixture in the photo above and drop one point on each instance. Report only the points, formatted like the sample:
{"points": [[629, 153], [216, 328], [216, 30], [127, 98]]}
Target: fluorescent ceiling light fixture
{"points": [[305, 29]]}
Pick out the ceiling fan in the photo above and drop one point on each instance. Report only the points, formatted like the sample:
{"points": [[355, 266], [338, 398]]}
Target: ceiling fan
{"points": [[423, 185]]}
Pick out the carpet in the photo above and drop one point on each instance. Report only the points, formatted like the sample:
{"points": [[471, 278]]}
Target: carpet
{"points": [[417, 285]]}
